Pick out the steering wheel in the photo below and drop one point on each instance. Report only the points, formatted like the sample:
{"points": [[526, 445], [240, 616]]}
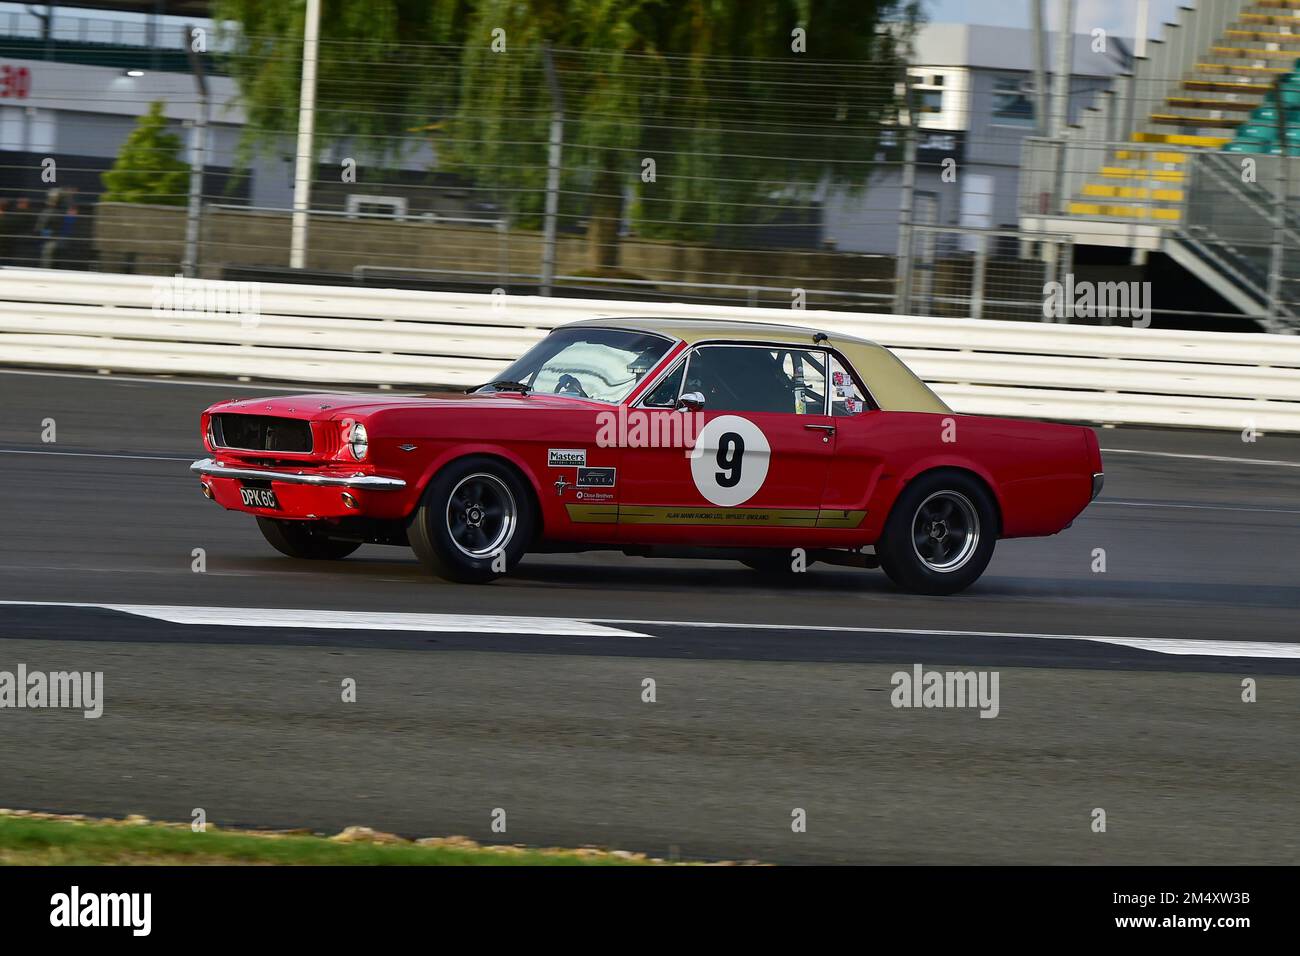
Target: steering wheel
{"points": [[568, 383]]}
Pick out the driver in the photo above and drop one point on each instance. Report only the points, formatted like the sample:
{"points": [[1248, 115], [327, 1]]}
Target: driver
{"points": [[569, 383], [752, 381]]}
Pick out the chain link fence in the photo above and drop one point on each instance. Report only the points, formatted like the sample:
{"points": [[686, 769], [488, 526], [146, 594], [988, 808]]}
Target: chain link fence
{"points": [[782, 208]]}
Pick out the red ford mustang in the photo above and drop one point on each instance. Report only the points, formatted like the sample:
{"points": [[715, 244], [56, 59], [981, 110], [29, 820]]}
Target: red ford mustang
{"points": [[774, 445]]}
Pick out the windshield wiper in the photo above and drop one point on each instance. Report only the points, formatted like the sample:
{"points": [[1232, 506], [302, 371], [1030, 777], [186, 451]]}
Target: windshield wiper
{"points": [[505, 385]]}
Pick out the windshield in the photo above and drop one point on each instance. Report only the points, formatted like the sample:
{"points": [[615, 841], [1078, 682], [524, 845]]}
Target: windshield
{"points": [[603, 364]]}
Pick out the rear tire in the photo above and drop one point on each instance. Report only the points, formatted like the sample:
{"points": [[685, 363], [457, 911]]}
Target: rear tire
{"points": [[940, 534], [304, 539], [474, 522]]}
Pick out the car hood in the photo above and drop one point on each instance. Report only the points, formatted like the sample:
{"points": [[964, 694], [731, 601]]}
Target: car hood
{"points": [[326, 405]]}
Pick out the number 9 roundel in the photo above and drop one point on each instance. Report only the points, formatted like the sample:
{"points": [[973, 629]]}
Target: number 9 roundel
{"points": [[729, 461]]}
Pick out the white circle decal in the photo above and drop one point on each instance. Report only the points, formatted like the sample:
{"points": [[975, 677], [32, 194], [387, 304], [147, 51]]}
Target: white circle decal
{"points": [[730, 459]]}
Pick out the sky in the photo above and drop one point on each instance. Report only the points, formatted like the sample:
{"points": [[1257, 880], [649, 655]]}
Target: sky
{"points": [[1114, 16]]}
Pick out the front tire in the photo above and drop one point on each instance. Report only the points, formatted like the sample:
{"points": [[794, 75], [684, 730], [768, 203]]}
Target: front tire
{"points": [[474, 521], [302, 539], [940, 534]]}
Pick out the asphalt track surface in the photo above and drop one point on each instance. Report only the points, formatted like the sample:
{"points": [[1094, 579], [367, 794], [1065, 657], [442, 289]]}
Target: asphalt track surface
{"points": [[526, 695]]}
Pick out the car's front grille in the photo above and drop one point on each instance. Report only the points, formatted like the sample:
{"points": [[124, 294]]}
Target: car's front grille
{"points": [[262, 433]]}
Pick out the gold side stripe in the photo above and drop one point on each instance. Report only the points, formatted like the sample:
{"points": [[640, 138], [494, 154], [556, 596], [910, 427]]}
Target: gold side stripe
{"points": [[715, 517], [840, 519], [593, 514], [718, 517]]}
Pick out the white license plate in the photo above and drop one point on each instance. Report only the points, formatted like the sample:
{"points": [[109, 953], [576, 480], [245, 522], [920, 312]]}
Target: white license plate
{"points": [[259, 498]]}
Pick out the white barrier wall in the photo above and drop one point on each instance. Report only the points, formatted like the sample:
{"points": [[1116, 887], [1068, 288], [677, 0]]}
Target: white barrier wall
{"points": [[348, 335]]}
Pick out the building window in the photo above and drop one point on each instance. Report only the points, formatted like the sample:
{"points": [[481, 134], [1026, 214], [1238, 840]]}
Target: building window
{"points": [[1011, 104], [376, 207]]}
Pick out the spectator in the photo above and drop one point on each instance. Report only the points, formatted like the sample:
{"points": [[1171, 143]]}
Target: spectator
{"points": [[20, 233], [67, 240], [47, 230], [6, 229]]}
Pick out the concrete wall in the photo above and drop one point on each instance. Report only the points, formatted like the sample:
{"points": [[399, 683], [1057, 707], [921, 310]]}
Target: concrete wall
{"points": [[149, 239]]}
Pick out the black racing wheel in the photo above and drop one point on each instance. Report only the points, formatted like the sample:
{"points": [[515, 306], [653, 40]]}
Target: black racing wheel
{"points": [[474, 522], [940, 535]]}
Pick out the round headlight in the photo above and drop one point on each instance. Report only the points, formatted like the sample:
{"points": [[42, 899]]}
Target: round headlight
{"points": [[358, 441]]}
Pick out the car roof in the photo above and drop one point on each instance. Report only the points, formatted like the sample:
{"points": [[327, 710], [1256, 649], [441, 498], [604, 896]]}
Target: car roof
{"points": [[893, 385], [691, 331]]}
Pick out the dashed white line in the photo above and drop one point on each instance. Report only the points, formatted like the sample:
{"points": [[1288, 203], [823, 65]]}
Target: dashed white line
{"points": [[1170, 504], [88, 454], [1222, 458], [290, 387]]}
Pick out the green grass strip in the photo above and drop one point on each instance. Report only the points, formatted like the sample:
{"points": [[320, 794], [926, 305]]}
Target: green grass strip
{"points": [[42, 841]]}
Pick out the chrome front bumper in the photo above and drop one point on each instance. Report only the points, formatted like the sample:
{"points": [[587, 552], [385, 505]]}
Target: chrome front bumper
{"points": [[213, 469]]}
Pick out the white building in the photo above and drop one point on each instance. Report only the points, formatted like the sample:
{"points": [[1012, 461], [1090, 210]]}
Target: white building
{"points": [[976, 85]]}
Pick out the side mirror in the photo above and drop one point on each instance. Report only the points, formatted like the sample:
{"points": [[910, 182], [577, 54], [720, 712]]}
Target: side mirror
{"points": [[690, 402]]}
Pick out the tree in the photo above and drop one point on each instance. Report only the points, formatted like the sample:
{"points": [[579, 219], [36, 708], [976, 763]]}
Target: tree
{"points": [[148, 169], [740, 120]]}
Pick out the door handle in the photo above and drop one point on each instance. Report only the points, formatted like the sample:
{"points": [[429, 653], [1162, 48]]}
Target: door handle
{"points": [[829, 429]]}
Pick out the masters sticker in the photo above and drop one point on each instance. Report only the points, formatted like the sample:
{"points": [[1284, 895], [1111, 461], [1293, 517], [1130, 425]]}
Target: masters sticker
{"points": [[566, 457]]}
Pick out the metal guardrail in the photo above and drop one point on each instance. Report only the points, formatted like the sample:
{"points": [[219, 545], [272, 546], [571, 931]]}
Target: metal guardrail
{"points": [[573, 282], [328, 334]]}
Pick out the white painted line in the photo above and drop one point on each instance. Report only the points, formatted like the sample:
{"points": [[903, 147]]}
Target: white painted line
{"points": [[1224, 458], [353, 620], [601, 627], [1161, 645], [87, 454], [1166, 645], [1169, 504]]}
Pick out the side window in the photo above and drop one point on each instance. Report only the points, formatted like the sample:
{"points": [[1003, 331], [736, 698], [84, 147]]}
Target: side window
{"points": [[846, 397], [664, 395], [807, 371], [746, 378]]}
